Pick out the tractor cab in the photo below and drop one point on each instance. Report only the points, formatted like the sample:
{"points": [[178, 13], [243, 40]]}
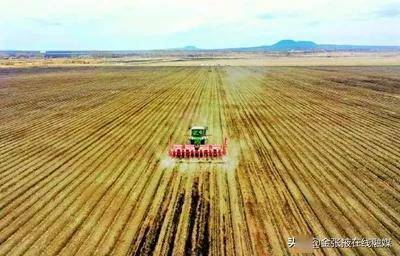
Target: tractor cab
{"points": [[198, 135]]}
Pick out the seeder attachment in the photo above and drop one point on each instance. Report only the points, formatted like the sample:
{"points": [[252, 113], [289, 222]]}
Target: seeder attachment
{"points": [[206, 151]]}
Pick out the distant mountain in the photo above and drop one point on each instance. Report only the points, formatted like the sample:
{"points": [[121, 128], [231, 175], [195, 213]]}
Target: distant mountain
{"points": [[309, 46], [188, 48], [287, 45], [291, 45], [281, 46]]}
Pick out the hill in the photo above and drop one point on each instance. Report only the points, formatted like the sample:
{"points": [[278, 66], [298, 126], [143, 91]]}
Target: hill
{"points": [[291, 45]]}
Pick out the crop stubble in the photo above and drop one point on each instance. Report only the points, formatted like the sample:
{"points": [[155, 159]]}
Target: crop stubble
{"points": [[83, 170]]}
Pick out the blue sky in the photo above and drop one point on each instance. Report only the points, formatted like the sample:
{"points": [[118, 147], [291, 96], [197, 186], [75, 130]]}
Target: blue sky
{"points": [[156, 24]]}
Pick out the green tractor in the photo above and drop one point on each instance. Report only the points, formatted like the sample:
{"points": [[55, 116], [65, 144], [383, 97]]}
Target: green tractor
{"points": [[198, 136], [198, 147]]}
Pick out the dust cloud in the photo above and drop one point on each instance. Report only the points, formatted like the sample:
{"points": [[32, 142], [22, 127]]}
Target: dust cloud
{"points": [[232, 158]]}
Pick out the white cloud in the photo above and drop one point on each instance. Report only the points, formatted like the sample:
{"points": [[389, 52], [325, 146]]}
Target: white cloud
{"points": [[126, 23]]}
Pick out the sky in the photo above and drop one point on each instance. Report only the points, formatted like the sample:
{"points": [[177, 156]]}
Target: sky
{"points": [[156, 24]]}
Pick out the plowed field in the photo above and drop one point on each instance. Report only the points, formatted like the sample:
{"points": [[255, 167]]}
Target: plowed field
{"points": [[83, 166]]}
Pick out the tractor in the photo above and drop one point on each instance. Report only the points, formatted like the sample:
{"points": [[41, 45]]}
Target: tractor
{"points": [[197, 148]]}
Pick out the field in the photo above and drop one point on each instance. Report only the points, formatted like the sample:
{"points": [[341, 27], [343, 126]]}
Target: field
{"points": [[83, 166], [213, 58]]}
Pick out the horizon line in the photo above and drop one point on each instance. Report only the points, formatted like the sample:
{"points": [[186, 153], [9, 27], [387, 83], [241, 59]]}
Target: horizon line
{"points": [[182, 48]]}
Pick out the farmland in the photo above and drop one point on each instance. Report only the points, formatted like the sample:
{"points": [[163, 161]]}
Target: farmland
{"points": [[83, 166]]}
